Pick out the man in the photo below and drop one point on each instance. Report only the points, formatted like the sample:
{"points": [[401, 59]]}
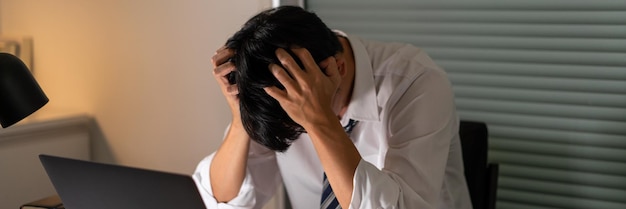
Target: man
{"points": [[292, 86]]}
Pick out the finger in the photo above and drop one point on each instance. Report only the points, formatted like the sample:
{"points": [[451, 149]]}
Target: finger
{"points": [[307, 60], [289, 63], [224, 69], [282, 77], [232, 89], [222, 55], [221, 75], [276, 93], [224, 84]]}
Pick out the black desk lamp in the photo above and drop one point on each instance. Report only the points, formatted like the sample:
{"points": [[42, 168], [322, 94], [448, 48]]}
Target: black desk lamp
{"points": [[20, 94]]}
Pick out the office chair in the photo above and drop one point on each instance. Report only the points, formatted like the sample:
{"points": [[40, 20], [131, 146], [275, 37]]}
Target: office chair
{"points": [[481, 176]]}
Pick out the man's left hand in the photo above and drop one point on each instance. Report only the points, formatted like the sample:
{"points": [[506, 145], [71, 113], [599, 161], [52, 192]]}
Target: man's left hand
{"points": [[308, 93]]}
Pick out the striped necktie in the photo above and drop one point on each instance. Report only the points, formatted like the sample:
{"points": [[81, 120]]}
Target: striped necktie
{"points": [[328, 197]]}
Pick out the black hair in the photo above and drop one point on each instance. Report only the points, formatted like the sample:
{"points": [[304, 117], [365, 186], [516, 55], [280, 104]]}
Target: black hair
{"points": [[255, 45]]}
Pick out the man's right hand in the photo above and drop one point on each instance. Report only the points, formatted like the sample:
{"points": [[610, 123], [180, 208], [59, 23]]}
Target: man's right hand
{"points": [[222, 67], [228, 167]]}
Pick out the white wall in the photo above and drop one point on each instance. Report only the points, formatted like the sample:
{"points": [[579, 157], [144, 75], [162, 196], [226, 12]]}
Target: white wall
{"points": [[140, 67]]}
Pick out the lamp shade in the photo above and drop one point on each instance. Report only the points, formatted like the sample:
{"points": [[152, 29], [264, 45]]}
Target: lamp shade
{"points": [[20, 94]]}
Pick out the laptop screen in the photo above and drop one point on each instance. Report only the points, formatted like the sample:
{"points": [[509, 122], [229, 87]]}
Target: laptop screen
{"points": [[84, 184]]}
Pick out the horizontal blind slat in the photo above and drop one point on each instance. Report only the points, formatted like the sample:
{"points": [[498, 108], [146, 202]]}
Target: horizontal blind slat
{"points": [[479, 16], [507, 42], [529, 56], [564, 163], [559, 150], [556, 123], [562, 189], [556, 200], [544, 96], [540, 83], [488, 29], [536, 70], [545, 134], [502, 204], [555, 5], [543, 109], [564, 176]]}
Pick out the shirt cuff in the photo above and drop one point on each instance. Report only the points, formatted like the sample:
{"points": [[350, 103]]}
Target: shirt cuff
{"points": [[373, 188], [245, 198]]}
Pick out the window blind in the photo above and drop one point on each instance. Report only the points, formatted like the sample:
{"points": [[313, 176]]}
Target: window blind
{"points": [[548, 77]]}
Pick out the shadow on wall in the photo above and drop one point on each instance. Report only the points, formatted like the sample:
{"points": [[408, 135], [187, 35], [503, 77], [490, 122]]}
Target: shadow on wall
{"points": [[100, 148]]}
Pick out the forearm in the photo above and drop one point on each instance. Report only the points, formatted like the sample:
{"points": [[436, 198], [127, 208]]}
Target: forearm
{"points": [[228, 168], [338, 155]]}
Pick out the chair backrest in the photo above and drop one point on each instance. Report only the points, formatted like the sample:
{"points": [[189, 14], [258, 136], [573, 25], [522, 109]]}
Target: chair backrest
{"points": [[481, 177]]}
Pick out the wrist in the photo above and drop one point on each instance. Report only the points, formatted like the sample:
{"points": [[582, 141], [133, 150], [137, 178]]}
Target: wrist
{"points": [[321, 120], [236, 126]]}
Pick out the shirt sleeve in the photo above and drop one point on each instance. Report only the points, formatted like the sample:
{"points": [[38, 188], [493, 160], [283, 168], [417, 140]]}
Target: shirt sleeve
{"points": [[420, 127], [259, 185]]}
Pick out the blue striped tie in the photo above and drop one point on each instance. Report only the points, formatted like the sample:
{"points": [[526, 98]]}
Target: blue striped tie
{"points": [[328, 197]]}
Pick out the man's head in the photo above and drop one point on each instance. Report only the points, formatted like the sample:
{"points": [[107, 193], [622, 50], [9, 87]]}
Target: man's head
{"points": [[255, 45]]}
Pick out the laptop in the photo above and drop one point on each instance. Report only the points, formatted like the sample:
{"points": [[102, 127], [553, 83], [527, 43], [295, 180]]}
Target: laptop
{"points": [[90, 185]]}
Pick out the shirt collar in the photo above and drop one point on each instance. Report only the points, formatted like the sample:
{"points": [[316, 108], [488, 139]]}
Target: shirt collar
{"points": [[363, 104]]}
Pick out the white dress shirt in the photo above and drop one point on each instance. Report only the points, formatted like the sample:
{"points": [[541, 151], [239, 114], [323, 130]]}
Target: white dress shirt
{"points": [[407, 136]]}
